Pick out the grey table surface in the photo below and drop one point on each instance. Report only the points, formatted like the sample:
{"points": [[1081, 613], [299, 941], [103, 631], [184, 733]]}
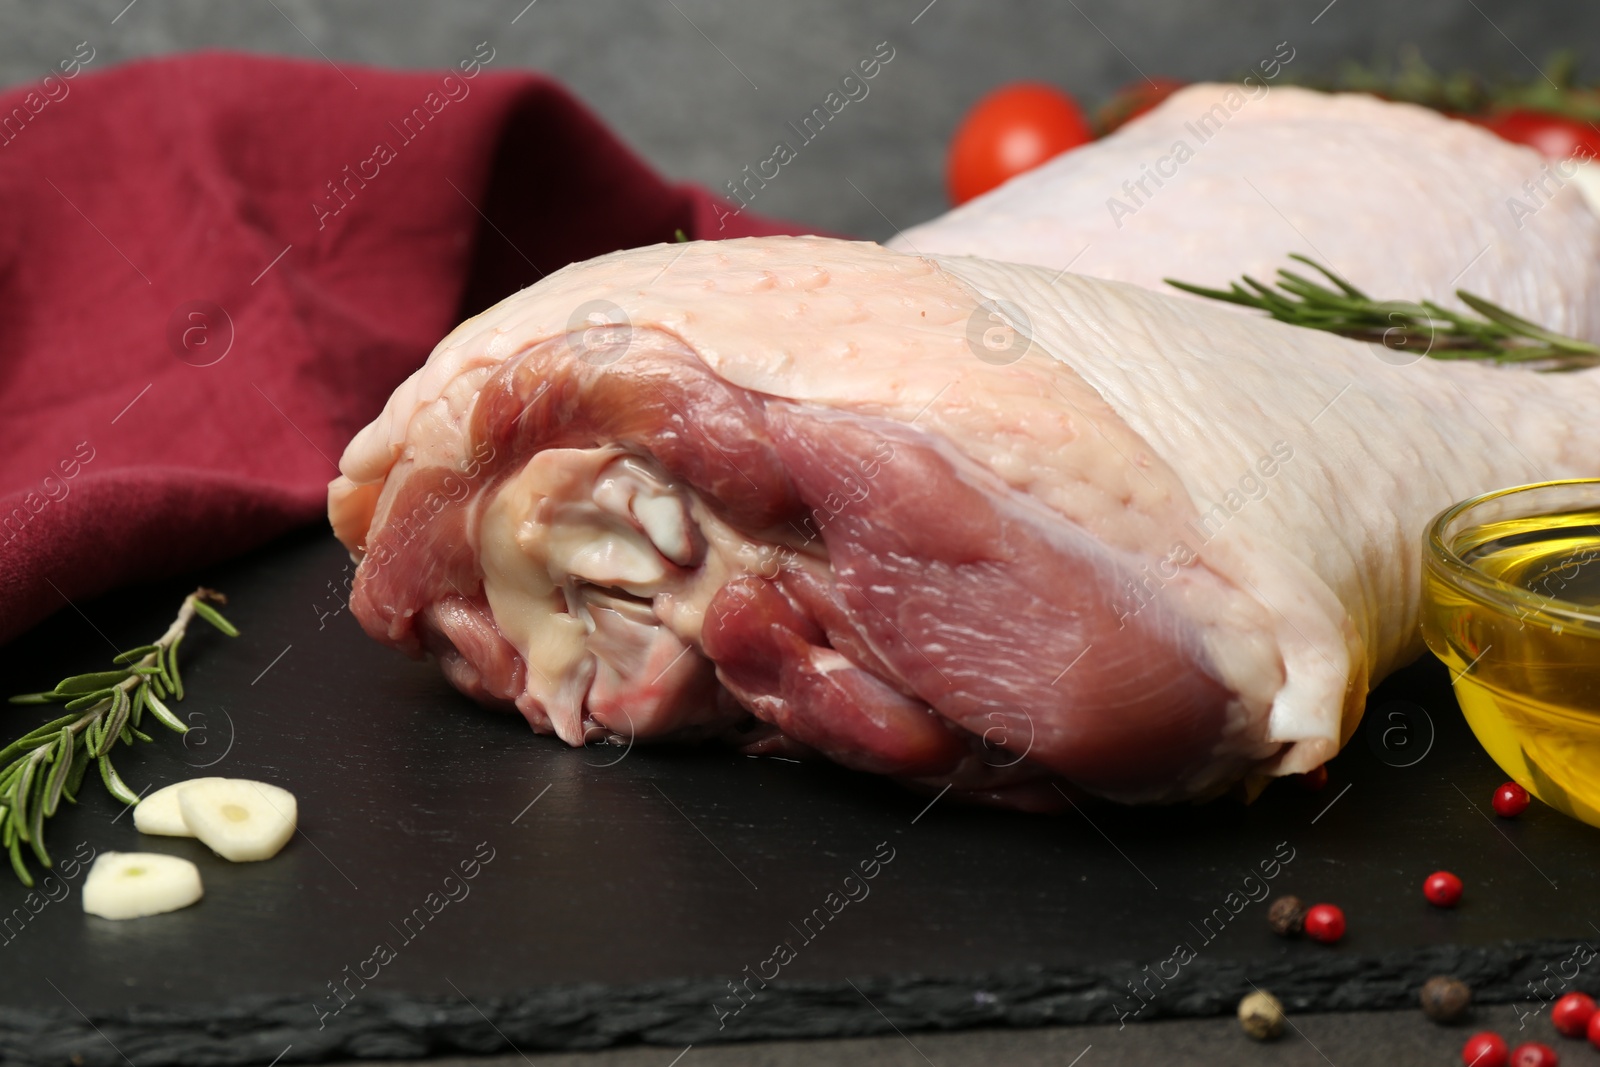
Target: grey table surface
{"points": [[1378, 1038], [702, 87], [629, 888]]}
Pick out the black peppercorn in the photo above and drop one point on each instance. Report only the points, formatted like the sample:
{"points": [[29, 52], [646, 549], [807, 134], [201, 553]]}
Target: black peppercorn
{"points": [[1287, 915], [1445, 999]]}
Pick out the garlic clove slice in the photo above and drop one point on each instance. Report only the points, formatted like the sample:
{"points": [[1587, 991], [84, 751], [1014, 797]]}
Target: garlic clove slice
{"points": [[158, 812], [130, 885], [239, 819]]}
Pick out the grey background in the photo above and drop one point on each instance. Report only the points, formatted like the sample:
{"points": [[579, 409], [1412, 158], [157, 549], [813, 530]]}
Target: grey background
{"points": [[702, 87], [654, 71]]}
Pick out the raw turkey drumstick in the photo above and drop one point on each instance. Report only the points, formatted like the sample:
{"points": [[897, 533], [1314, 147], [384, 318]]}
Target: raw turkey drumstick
{"points": [[955, 521]]}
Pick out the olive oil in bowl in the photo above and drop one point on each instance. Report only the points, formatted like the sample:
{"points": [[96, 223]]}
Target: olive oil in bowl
{"points": [[1511, 604]]}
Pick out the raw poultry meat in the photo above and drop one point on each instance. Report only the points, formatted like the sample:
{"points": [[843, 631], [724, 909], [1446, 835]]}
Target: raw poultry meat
{"points": [[799, 492], [1221, 180], [964, 523]]}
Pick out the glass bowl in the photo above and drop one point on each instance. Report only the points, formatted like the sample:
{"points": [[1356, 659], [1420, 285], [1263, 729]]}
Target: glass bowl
{"points": [[1511, 604]]}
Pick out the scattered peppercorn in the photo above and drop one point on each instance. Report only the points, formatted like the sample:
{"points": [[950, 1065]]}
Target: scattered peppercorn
{"points": [[1485, 1050], [1325, 923], [1287, 915], [1261, 1016], [1446, 999], [1571, 1014], [1442, 889], [1534, 1054], [1510, 800]]}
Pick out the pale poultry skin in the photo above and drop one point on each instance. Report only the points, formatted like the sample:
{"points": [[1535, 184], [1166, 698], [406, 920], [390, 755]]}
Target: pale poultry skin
{"points": [[1404, 202]]}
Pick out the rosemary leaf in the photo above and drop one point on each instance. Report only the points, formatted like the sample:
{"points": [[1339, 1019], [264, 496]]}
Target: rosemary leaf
{"points": [[31, 740], [1493, 334], [59, 771], [80, 763], [1233, 295], [164, 676], [172, 668], [17, 865], [89, 699], [214, 617], [49, 728], [1522, 326], [89, 683], [114, 783], [19, 797], [36, 834], [117, 717], [164, 715], [91, 736], [48, 764]]}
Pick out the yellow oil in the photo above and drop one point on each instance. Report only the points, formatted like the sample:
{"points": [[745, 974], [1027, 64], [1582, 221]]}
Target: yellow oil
{"points": [[1527, 667]]}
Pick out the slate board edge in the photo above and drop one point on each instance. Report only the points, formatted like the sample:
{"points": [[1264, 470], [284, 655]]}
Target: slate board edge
{"points": [[261, 1030]]}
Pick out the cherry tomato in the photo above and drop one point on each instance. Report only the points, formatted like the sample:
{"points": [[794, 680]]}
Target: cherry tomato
{"points": [[1510, 800], [1484, 1050], [1553, 136], [1133, 100], [1571, 1014], [1325, 923], [1013, 129], [1594, 1029], [1533, 1054], [1442, 889]]}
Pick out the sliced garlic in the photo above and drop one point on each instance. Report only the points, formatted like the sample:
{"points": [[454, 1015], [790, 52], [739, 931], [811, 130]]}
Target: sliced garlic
{"points": [[238, 819], [130, 885], [158, 812]]}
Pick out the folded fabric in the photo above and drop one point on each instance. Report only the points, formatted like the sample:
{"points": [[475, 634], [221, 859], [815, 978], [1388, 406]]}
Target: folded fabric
{"points": [[215, 268]]}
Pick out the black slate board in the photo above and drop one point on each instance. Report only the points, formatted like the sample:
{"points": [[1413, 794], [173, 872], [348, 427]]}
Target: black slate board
{"points": [[625, 890]]}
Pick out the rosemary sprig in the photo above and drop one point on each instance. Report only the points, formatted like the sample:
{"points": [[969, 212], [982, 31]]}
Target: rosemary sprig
{"points": [[1556, 90], [1423, 328], [47, 765]]}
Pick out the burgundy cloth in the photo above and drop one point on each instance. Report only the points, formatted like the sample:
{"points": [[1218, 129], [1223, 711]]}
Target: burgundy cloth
{"points": [[145, 189]]}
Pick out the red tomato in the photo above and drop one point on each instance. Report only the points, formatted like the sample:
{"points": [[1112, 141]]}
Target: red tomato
{"points": [[1552, 136], [1013, 129], [1134, 99]]}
